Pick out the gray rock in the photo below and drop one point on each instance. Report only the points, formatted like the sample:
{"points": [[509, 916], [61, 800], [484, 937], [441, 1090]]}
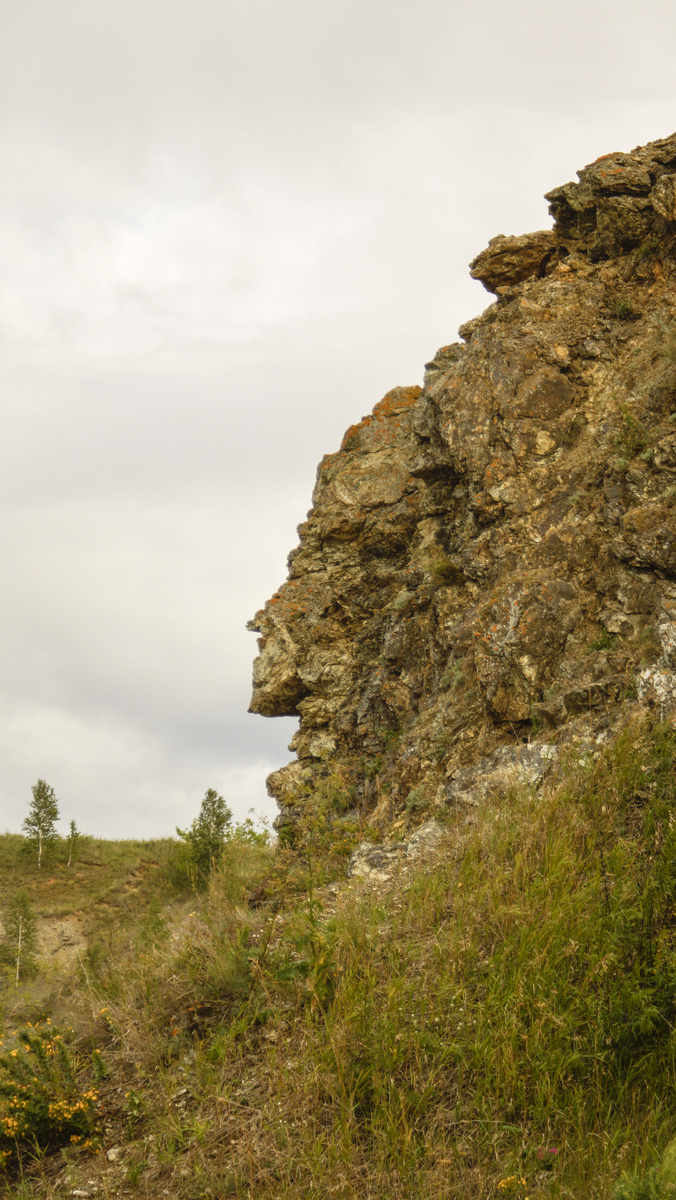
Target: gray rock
{"points": [[506, 767], [658, 688], [376, 862], [427, 837], [381, 861]]}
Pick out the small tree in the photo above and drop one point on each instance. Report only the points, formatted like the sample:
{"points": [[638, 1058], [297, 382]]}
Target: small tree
{"points": [[207, 835], [74, 835], [43, 813], [19, 939]]}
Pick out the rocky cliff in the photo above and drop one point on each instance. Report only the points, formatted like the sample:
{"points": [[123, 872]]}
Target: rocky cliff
{"points": [[489, 565]]}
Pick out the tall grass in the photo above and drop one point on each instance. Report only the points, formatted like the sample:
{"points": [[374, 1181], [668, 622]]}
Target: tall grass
{"points": [[500, 1023]]}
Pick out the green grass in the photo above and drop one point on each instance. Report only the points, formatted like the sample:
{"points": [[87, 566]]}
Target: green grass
{"points": [[622, 308], [505, 1015], [632, 436], [101, 870], [605, 641]]}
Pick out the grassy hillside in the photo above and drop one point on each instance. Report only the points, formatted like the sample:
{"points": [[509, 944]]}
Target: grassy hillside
{"points": [[498, 1023], [101, 871], [95, 902]]}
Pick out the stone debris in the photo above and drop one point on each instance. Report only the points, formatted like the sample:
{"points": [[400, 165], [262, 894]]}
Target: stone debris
{"points": [[378, 863], [490, 559]]}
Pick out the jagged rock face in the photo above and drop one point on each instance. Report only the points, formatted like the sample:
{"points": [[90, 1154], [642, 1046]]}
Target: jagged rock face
{"points": [[494, 554]]}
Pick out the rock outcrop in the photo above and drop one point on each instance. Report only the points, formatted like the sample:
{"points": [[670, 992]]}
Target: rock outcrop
{"points": [[490, 560]]}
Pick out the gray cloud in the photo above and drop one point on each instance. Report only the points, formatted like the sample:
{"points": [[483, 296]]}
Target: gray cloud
{"points": [[225, 231]]}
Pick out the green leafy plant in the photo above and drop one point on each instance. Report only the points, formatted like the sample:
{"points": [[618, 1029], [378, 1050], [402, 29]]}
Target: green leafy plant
{"points": [[454, 675], [153, 928], [135, 1169], [442, 568], [439, 745], [374, 766], [134, 1107], [658, 1183], [417, 799], [619, 465], [98, 1066], [639, 1187]]}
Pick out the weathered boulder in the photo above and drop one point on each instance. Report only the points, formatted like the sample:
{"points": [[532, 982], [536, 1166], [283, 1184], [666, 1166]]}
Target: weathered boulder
{"points": [[494, 554]]}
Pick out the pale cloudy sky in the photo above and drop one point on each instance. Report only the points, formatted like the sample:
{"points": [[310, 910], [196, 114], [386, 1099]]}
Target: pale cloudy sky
{"points": [[226, 229]]}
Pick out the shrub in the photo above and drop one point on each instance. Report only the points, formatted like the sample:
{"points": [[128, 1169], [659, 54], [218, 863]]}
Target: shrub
{"points": [[453, 677], [417, 800], [42, 1102], [632, 436]]}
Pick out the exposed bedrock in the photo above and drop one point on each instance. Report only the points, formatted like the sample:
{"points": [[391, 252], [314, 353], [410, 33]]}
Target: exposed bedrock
{"points": [[491, 558]]}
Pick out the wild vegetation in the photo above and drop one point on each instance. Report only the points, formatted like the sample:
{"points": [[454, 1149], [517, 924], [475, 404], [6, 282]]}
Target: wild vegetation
{"points": [[499, 1023]]}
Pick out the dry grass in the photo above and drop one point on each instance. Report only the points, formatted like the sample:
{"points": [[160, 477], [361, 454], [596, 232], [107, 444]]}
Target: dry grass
{"points": [[505, 1016]]}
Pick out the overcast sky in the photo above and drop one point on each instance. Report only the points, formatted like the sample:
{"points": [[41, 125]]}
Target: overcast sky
{"points": [[226, 229]]}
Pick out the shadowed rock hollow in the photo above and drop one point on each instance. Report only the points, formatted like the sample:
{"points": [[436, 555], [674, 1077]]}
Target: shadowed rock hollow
{"points": [[490, 560]]}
